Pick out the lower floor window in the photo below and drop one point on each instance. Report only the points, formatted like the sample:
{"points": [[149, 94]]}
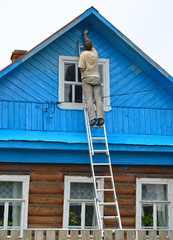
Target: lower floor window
{"points": [[13, 201], [79, 208], [154, 203]]}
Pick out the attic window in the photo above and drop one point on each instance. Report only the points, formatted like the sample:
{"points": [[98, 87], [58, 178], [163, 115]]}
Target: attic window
{"points": [[70, 84]]}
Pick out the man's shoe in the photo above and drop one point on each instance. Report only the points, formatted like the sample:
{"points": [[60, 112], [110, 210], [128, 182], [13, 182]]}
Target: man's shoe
{"points": [[100, 122], [93, 122]]}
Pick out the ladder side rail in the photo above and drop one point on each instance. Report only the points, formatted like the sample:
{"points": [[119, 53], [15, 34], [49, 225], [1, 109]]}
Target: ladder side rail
{"points": [[112, 179], [90, 144]]}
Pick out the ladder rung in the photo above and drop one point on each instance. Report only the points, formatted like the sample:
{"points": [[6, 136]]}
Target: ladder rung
{"points": [[107, 203], [103, 176], [105, 190], [100, 151], [109, 217], [98, 138], [101, 164]]}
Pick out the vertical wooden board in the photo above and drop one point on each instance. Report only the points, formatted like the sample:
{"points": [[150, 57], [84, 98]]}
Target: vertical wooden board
{"points": [[3, 234], [40, 116], [152, 235], [28, 116], [119, 235], [108, 235], [1, 116], [109, 121], [163, 121], [74, 235], [142, 121], [153, 121], [57, 118], [16, 115], [126, 120], [34, 117], [168, 122], [147, 121], [158, 121], [85, 235], [142, 235], [97, 235], [162, 235], [62, 235], [131, 121], [50, 235], [5, 115], [11, 115], [114, 120], [15, 234], [171, 235], [131, 235], [120, 121], [136, 120], [22, 115], [38, 235], [27, 235]]}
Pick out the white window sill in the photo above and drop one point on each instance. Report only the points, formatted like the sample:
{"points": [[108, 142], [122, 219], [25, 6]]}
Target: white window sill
{"points": [[79, 106]]}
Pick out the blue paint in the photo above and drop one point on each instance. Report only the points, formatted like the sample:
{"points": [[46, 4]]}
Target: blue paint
{"points": [[139, 126]]}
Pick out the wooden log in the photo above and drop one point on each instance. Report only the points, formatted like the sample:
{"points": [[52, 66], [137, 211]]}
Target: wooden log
{"points": [[50, 235], [127, 200], [152, 235], [46, 187], [45, 220], [74, 235], [85, 235], [126, 221], [123, 188], [126, 178], [97, 235], [125, 211], [27, 235], [3, 234], [39, 235], [119, 235], [15, 234], [162, 235], [62, 235], [108, 235], [171, 235], [142, 235], [131, 235], [46, 176], [44, 210], [46, 199]]}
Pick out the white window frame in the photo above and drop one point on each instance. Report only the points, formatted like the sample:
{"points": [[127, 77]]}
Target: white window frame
{"points": [[78, 179], [105, 85], [139, 201], [25, 179]]}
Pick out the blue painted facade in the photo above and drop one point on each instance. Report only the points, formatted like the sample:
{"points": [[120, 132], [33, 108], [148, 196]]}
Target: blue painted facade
{"points": [[139, 126]]}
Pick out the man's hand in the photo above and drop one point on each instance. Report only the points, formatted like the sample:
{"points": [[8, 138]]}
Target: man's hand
{"points": [[85, 35], [86, 31]]}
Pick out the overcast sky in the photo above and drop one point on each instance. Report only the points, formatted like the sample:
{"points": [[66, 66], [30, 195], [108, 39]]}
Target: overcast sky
{"points": [[147, 23]]}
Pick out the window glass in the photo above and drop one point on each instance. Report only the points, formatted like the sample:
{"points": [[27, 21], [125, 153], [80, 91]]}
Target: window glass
{"points": [[162, 215], [78, 94], [90, 218], [100, 67], [68, 93], [82, 191], [147, 215], [11, 190], [75, 214], [157, 192], [2, 206], [70, 72], [14, 217]]}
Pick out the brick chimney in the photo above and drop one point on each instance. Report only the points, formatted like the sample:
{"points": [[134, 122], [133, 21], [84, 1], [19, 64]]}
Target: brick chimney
{"points": [[17, 54]]}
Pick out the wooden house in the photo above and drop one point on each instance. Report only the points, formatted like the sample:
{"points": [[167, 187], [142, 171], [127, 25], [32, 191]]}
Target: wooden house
{"points": [[45, 173]]}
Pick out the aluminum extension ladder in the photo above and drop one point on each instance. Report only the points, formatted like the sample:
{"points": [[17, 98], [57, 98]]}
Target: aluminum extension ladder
{"points": [[101, 205]]}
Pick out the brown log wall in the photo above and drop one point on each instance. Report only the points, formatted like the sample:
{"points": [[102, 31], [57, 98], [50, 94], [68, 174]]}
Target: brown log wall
{"points": [[46, 193]]}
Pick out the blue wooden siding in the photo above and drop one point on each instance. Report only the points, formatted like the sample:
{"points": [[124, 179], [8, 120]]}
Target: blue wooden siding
{"points": [[26, 91], [121, 120]]}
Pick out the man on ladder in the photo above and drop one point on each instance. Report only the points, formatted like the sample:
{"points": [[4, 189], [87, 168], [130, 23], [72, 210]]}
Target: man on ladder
{"points": [[88, 64]]}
